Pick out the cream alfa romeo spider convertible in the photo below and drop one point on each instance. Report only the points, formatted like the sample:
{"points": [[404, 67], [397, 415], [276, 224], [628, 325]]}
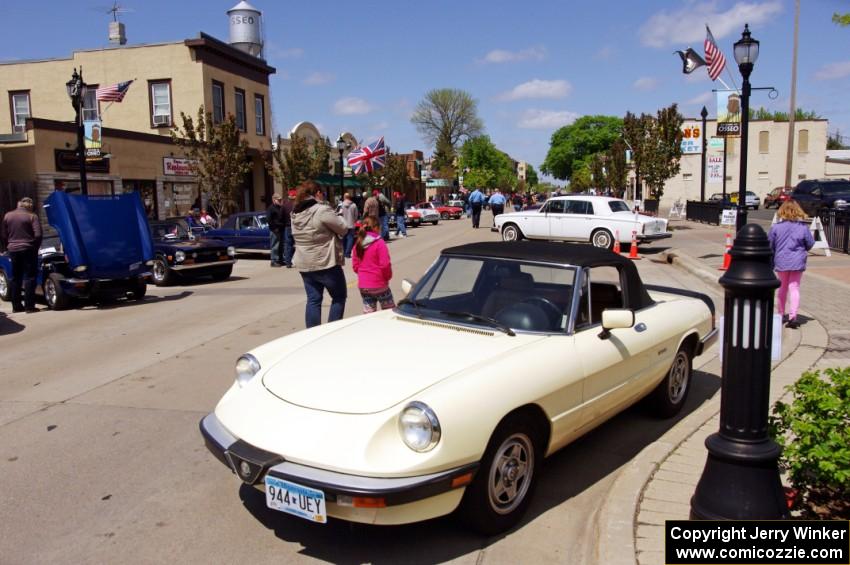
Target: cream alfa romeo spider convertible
{"points": [[554, 339]]}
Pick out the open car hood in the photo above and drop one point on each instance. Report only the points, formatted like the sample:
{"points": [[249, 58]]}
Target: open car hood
{"points": [[107, 234], [371, 365]]}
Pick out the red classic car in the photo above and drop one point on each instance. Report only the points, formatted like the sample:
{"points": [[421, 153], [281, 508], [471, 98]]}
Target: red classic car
{"points": [[446, 212]]}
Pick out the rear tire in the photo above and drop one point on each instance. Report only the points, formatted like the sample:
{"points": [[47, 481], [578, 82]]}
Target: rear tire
{"points": [[435, 222], [139, 290], [602, 238], [504, 484], [54, 294], [444, 215], [511, 232], [672, 392]]}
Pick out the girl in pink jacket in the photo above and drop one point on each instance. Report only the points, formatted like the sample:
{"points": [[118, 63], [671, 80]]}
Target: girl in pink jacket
{"points": [[371, 262]]}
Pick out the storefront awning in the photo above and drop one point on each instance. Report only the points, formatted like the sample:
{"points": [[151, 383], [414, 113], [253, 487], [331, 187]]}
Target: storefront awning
{"points": [[329, 180]]}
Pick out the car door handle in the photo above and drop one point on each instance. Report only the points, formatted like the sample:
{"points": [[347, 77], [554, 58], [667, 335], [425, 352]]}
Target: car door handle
{"points": [[641, 327]]}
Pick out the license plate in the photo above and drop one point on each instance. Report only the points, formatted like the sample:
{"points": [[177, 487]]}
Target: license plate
{"points": [[295, 499]]}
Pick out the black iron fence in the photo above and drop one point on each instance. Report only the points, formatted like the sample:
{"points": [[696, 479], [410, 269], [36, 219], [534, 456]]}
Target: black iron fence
{"points": [[705, 212], [836, 227]]}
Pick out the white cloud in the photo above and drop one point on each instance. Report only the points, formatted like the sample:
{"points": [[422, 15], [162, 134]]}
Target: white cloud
{"points": [[318, 78], [686, 26], [546, 119], [538, 89], [504, 56], [350, 106], [645, 84], [833, 71]]}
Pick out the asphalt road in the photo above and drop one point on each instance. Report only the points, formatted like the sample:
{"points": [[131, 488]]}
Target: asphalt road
{"points": [[101, 460]]}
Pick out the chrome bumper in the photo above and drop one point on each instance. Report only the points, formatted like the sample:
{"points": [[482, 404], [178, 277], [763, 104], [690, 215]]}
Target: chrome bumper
{"points": [[182, 267], [706, 342], [653, 236]]}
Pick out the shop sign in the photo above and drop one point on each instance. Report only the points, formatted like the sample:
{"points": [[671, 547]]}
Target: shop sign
{"points": [[691, 140], [716, 143], [439, 183], [179, 167], [68, 161], [93, 139], [714, 164]]}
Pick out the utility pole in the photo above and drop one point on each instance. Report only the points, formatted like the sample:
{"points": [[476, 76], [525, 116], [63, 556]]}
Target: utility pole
{"points": [[704, 115], [793, 110]]}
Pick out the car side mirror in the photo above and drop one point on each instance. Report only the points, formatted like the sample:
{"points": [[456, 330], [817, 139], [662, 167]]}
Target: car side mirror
{"points": [[616, 318], [406, 286]]}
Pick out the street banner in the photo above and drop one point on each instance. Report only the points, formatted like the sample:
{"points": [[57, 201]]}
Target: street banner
{"points": [[714, 161], [728, 113], [691, 140], [93, 138]]}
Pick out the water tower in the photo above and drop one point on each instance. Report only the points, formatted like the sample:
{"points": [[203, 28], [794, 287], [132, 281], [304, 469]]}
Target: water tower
{"points": [[245, 28]]}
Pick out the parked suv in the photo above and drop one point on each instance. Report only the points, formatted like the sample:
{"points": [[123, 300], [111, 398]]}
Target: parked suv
{"points": [[823, 194]]}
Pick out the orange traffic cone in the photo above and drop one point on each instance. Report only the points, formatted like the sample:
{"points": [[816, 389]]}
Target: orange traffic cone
{"points": [[633, 248], [617, 242], [727, 259]]}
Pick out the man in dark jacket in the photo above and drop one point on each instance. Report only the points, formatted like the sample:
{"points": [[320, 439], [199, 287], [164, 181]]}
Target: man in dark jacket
{"points": [[20, 234], [278, 217]]}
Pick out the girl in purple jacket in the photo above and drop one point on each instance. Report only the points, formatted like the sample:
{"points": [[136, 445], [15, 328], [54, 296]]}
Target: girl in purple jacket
{"points": [[371, 262], [790, 241]]}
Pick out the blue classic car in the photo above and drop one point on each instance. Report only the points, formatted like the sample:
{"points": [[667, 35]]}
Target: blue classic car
{"points": [[178, 253], [247, 232], [104, 249]]}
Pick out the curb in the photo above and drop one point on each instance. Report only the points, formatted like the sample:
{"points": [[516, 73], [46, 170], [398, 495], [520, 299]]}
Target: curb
{"points": [[616, 521]]}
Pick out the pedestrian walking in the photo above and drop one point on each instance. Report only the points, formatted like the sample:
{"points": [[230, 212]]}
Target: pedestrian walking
{"points": [[497, 203], [384, 209], [288, 240], [372, 207], [20, 234], [400, 216], [476, 201], [275, 217], [790, 241], [517, 201], [350, 214], [318, 253], [371, 262]]}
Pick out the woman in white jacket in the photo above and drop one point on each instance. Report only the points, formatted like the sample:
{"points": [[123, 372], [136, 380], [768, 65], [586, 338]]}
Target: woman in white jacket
{"points": [[318, 253]]}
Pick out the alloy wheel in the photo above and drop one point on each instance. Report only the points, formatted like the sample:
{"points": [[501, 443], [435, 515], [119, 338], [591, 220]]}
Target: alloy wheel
{"points": [[511, 473], [677, 383]]}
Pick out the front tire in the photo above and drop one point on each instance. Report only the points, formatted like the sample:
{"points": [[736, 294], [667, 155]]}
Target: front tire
{"points": [[222, 273], [5, 292], [54, 294], [511, 232], [444, 215], [602, 238], [672, 392], [162, 275], [435, 222], [139, 290], [504, 483]]}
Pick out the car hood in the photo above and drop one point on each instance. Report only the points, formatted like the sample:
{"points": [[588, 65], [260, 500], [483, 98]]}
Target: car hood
{"points": [[189, 245], [370, 365]]}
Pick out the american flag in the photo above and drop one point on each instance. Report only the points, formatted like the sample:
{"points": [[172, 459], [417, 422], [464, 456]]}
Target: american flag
{"points": [[713, 56], [368, 158], [114, 92]]}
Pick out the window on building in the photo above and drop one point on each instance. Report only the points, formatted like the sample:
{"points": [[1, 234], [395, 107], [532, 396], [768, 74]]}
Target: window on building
{"points": [[687, 176], [764, 175], [259, 114], [239, 99], [20, 102], [160, 103], [803, 141], [218, 102], [764, 142], [91, 111]]}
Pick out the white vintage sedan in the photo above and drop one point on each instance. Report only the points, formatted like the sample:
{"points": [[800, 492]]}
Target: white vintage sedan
{"points": [[595, 219], [556, 339]]}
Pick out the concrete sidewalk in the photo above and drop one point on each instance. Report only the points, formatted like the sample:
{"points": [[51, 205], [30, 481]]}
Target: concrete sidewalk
{"points": [[658, 483]]}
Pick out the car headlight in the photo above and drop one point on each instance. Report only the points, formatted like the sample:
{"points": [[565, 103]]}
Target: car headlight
{"points": [[840, 204], [80, 268], [180, 256], [246, 367], [231, 251], [419, 427]]}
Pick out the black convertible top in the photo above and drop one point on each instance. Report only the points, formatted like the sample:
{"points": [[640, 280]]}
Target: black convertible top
{"points": [[579, 255]]}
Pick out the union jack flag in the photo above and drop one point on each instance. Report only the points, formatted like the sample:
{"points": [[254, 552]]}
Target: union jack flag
{"points": [[113, 92], [713, 56], [368, 158]]}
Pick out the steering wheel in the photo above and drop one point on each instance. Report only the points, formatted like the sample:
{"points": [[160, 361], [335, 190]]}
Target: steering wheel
{"points": [[550, 307]]}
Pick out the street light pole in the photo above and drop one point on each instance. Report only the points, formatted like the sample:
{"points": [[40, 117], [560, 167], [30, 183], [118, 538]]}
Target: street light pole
{"points": [[76, 92], [746, 53], [704, 114], [340, 145]]}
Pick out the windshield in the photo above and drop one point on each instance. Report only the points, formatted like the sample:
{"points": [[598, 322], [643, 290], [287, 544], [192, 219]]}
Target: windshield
{"points": [[618, 206], [497, 293], [836, 188], [162, 231]]}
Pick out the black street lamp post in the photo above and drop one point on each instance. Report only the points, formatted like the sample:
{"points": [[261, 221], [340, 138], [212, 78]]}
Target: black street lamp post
{"points": [[76, 92], [704, 114], [740, 480], [746, 53], [341, 145]]}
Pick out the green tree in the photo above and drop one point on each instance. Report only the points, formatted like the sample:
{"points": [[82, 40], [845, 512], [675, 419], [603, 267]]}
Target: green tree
{"points": [[617, 169], [663, 150], [841, 19], [219, 156], [489, 167], [636, 134], [584, 137], [299, 161], [779, 116], [531, 178], [444, 118], [835, 141]]}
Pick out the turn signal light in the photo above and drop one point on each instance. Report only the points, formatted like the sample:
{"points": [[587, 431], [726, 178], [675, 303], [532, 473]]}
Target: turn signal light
{"points": [[369, 502], [462, 480]]}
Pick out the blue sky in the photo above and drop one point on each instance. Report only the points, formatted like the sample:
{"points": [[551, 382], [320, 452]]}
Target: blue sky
{"points": [[363, 66]]}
